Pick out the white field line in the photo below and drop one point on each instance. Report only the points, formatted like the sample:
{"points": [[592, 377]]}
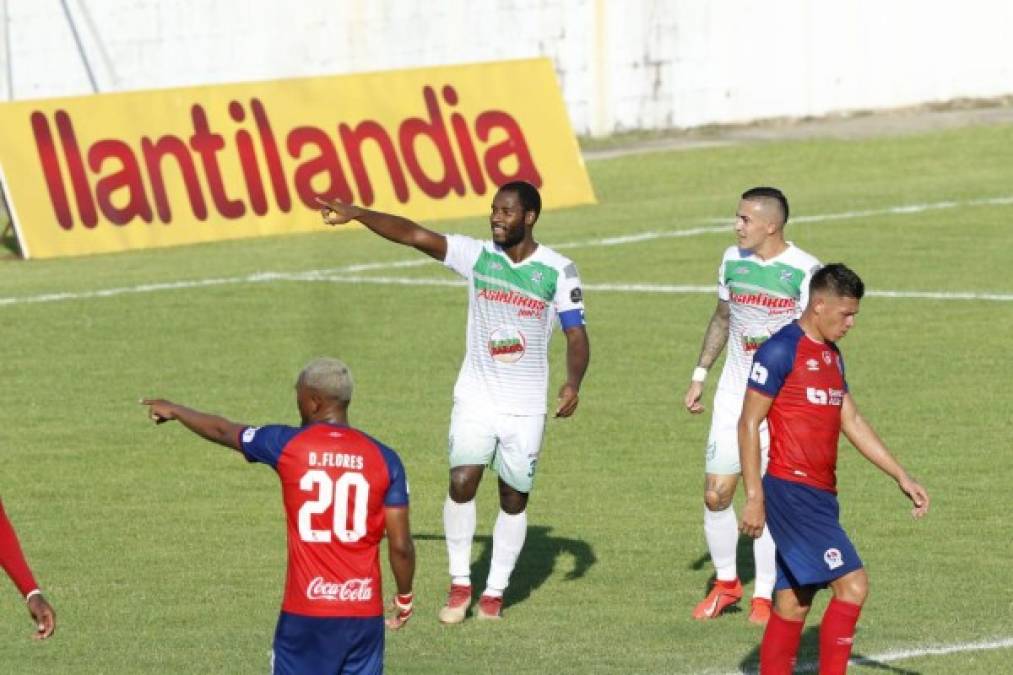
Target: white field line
{"points": [[341, 274], [329, 276], [904, 654]]}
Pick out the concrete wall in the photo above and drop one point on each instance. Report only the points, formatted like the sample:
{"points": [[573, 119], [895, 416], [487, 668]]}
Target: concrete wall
{"points": [[621, 64]]}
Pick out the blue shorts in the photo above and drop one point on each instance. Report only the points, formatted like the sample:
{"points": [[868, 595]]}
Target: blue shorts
{"points": [[812, 547], [309, 645]]}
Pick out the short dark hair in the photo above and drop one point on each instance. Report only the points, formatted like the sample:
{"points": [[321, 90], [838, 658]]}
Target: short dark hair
{"points": [[526, 193], [838, 280], [769, 193]]}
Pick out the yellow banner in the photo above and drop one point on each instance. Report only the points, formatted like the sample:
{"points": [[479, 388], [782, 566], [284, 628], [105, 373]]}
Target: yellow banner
{"points": [[113, 172]]}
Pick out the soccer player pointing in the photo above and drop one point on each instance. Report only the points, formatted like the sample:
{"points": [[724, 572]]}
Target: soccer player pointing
{"points": [[342, 490], [797, 384], [517, 289]]}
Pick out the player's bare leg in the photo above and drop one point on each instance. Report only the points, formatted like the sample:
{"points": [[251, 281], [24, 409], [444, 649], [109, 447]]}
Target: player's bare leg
{"points": [[507, 541], [779, 648], [837, 629], [459, 517], [721, 530]]}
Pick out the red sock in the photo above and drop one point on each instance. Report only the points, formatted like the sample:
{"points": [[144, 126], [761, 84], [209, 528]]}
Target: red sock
{"points": [[836, 633], [780, 645]]}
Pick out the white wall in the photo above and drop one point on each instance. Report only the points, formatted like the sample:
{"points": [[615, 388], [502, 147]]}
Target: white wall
{"points": [[621, 64]]}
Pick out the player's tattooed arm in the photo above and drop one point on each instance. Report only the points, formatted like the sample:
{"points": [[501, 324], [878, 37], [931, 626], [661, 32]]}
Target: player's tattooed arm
{"points": [[389, 226], [211, 427], [714, 341], [716, 337]]}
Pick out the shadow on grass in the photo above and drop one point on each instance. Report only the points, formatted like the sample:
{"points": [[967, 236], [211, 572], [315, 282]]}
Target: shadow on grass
{"points": [[743, 563], [536, 563], [809, 658]]}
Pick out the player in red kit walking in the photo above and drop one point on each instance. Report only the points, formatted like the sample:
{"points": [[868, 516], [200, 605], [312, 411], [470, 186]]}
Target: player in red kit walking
{"points": [[342, 489], [797, 384], [13, 561]]}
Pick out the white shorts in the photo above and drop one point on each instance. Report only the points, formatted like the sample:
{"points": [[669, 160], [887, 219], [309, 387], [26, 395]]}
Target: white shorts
{"points": [[510, 444], [723, 442]]}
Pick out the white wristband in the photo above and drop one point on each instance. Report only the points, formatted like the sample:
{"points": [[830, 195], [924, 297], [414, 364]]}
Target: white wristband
{"points": [[699, 374], [31, 593]]}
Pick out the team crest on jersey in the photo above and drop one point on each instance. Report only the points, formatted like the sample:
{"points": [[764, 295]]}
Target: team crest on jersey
{"points": [[828, 358], [507, 344], [812, 365], [249, 433], [832, 557]]}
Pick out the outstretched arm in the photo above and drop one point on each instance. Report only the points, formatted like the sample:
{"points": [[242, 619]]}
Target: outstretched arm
{"points": [[12, 559], [212, 427], [395, 228], [867, 441], [754, 409], [401, 551], [714, 341], [578, 355]]}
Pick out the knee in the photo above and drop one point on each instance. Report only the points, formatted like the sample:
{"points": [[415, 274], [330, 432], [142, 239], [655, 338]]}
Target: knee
{"points": [[513, 502], [854, 589], [462, 487], [715, 500]]}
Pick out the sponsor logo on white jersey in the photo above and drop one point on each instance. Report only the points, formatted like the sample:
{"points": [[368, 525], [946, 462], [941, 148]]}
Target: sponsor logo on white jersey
{"points": [[832, 557], [353, 590], [507, 344]]}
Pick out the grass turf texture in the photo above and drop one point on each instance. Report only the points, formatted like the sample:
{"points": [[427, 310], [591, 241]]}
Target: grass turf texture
{"points": [[162, 553]]}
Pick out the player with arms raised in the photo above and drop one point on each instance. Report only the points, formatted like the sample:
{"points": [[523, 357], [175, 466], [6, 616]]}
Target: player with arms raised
{"points": [[797, 384], [341, 489], [517, 289], [763, 284]]}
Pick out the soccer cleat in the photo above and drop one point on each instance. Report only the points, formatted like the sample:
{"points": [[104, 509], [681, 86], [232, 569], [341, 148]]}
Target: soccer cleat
{"points": [[490, 607], [458, 601], [759, 611], [723, 594]]}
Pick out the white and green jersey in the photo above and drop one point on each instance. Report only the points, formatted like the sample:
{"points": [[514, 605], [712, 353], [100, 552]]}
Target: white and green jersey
{"points": [[763, 296], [512, 308]]}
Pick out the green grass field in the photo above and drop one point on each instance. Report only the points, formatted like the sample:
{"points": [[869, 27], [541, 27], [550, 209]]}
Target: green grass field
{"points": [[165, 554]]}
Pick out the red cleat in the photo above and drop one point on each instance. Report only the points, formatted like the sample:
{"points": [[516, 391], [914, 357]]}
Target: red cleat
{"points": [[759, 611], [490, 607], [458, 601], [722, 595]]}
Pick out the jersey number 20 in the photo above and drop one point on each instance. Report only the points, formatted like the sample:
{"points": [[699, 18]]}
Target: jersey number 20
{"points": [[334, 492]]}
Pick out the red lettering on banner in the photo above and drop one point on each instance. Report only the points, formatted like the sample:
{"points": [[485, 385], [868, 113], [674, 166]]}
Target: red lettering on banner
{"points": [[325, 163], [51, 170], [207, 145], [317, 168], [75, 167], [128, 177], [436, 131], [153, 154]]}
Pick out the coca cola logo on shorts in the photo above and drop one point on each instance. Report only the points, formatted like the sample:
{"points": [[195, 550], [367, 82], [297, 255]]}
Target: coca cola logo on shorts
{"points": [[353, 590]]}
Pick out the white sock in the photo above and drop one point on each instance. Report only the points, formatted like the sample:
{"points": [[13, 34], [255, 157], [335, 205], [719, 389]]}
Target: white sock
{"points": [[722, 533], [459, 529], [507, 541], [766, 569]]}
